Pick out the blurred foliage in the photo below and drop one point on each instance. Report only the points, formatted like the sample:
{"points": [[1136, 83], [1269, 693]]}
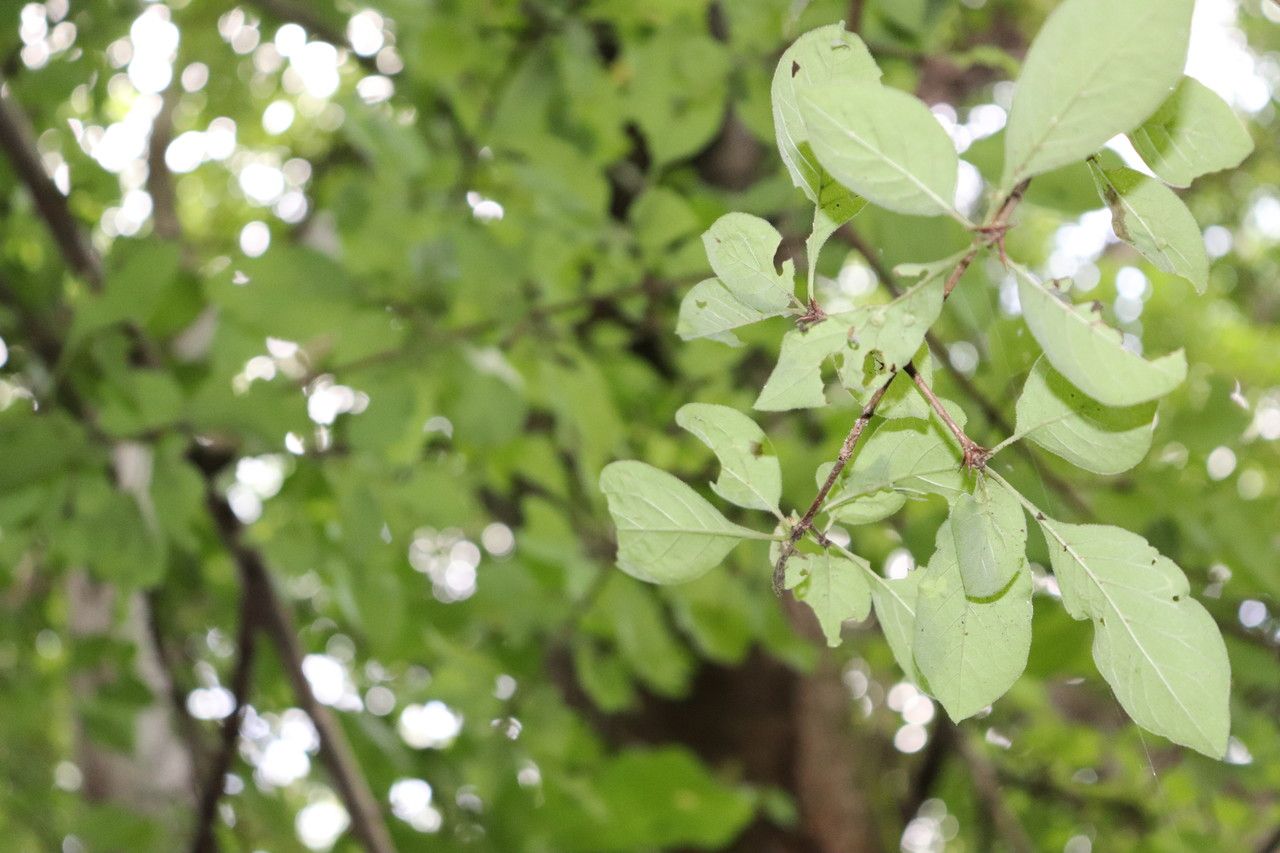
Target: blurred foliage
{"points": [[466, 310]]}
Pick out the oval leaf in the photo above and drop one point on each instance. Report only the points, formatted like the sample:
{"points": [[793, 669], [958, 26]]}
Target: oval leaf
{"points": [[990, 539], [1156, 646], [825, 55], [741, 249], [1053, 414], [1097, 68], [709, 310], [667, 533], [1091, 354], [884, 145], [969, 652], [1150, 217]]}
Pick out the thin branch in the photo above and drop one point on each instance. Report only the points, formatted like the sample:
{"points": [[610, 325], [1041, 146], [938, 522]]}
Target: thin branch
{"points": [[846, 451], [159, 180], [975, 455], [18, 140], [204, 840], [853, 18], [367, 822], [171, 662]]}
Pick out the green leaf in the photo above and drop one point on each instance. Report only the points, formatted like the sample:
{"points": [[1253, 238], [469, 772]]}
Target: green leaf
{"points": [[883, 144], [869, 343], [822, 56], [796, 380], [834, 587], [1193, 133], [1097, 68], [1156, 646], [709, 310], [1090, 354], [969, 652], [667, 533], [750, 476], [740, 248], [990, 533], [835, 207], [895, 604], [1150, 217], [904, 455], [1053, 414]]}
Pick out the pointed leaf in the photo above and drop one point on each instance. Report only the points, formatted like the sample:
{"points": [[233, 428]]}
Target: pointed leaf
{"points": [[990, 533], [1091, 354], [709, 310], [835, 588], [825, 55], [667, 533], [1053, 414], [969, 652], [1156, 646], [883, 144], [740, 248], [750, 476], [1150, 217], [796, 380], [1193, 133], [1097, 68]]}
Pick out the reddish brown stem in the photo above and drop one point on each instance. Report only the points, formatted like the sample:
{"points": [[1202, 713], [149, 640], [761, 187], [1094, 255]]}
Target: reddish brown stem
{"points": [[846, 451], [975, 455]]}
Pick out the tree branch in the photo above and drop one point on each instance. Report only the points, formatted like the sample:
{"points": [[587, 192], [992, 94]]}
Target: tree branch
{"points": [[367, 821], [846, 451], [207, 809], [276, 620], [975, 455], [18, 140], [987, 786]]}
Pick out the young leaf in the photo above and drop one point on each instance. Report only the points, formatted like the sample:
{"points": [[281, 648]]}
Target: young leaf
{"points": [[667, 533], [825, 55], [990, 533], [709, 310], [741, 249], [883, 144], [871, 342], [1193, 133], [1053, 414], [1156, 646], [1097, 68], [750, 476], [1150, 217], [895, 604], [1091, 354], [969, 652], [834, 587]]}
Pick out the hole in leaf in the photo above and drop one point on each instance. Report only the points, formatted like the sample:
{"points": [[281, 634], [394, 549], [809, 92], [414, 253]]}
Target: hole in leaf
{"points": [[795, 68]]}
